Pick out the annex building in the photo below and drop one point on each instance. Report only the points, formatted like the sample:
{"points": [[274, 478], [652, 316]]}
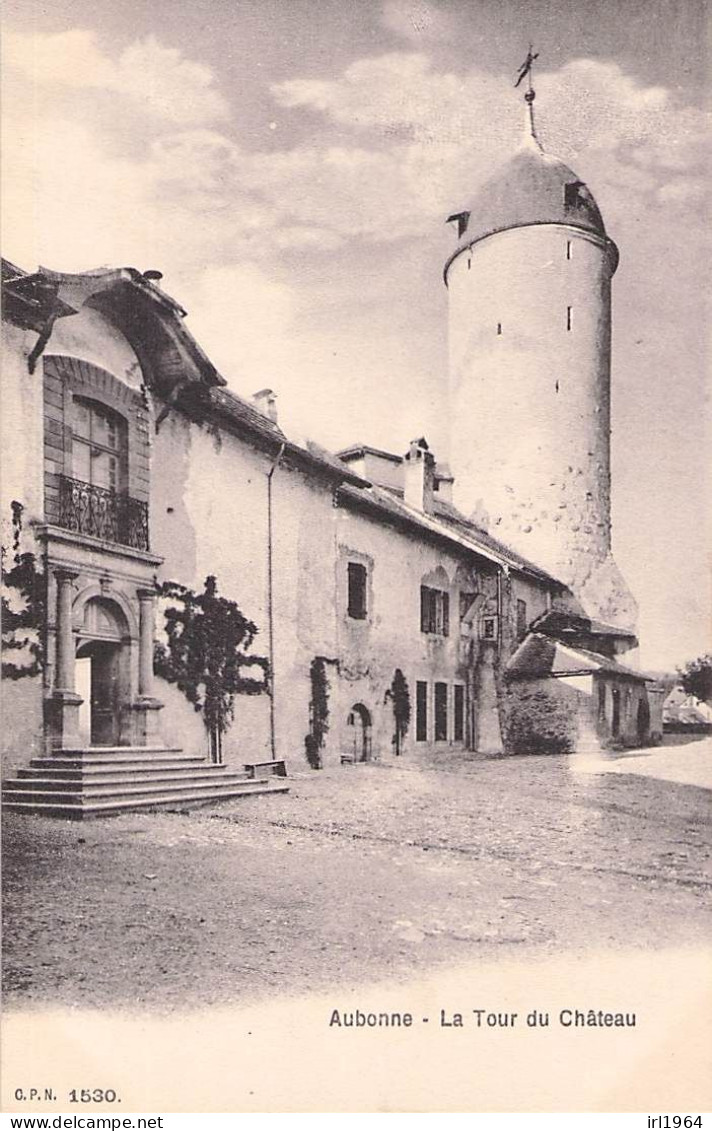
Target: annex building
{"points": [[193, 603]]}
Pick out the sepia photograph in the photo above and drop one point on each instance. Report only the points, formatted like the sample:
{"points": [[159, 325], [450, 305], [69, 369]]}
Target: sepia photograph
{"points": [[356, 600]]}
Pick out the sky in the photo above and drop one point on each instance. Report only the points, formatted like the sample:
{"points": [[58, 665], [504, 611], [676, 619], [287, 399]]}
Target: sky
{"points": [[289, 166]]}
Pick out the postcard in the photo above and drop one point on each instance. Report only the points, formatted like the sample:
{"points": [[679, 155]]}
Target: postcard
{"points": [[357, 686]]}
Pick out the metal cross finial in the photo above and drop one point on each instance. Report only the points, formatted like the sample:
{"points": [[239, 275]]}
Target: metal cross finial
{"points": [[525, 71], [526, 68]]}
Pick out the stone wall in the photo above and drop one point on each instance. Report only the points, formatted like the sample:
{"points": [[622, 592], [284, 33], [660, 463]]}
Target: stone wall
{"points": [[530, 337]]}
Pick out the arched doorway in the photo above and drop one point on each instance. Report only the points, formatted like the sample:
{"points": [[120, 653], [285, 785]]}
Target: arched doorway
{"points": [[643, 720], [616, 720], [102, 672], [358, 728]]}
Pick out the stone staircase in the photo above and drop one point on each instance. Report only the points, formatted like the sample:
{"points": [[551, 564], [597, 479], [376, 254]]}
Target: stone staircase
{"points": [[96, 781]]}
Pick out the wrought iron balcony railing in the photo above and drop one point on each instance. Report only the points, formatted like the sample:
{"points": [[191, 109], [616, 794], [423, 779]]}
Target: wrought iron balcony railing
{"points": [[92, 510]]}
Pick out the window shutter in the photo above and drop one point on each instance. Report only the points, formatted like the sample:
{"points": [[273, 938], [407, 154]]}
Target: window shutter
{"points": [[357, 585], [424, 609]]}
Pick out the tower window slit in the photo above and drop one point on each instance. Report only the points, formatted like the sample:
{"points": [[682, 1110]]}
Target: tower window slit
{"points": [[569, 317], [568, 249], [499, 328]]}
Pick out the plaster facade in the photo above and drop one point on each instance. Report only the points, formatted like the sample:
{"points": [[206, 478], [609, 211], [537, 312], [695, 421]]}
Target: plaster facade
{"points": [[530, 352], [131, 471]]}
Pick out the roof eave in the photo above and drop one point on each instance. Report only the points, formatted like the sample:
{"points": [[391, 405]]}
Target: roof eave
{"points": [[427, 524], [604, 241]]}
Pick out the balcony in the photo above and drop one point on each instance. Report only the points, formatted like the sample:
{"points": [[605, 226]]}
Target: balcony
{"points": [[87, 509]]}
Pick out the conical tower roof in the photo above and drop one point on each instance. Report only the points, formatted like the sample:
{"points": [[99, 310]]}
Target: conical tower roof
{"points": [[532, 187]]}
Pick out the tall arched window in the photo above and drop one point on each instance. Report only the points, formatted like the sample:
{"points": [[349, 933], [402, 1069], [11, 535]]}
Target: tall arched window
{"points": [[94, 499], [96, 453], [435, 603], [99, 445]]}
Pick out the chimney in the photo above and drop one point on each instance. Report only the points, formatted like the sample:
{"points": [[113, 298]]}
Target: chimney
{"points": [[443, 480], [266, 402], [418, 468]]}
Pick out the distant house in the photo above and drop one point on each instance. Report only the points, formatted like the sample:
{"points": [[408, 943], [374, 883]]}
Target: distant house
{"points": [[683, 712], [569, 692]]}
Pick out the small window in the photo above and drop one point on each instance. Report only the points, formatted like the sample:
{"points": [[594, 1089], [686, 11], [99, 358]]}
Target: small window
{"points": [[569, 317], [358, 581], [572, 194], [441, 712], [434, 611], [499, 329], [616, 720], [459, 713], [521, 619], [601, 702], [568, 249], [467, 600], [488, 628], [421, 711]]}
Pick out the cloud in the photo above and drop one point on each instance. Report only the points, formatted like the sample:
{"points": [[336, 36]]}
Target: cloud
{"points": [[172, 87], [69, 58], [414, 143], [443, 132], [401, 93], [66, 202], [156, 79], [244, 295], [418, 21]]}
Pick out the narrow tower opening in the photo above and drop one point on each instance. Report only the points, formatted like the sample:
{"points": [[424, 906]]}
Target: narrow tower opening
{"points": [[569, 317]]}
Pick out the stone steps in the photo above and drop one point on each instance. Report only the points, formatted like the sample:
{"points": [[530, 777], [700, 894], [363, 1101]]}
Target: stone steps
{"points": [[100, 781], [98, 784], [74, 770]]}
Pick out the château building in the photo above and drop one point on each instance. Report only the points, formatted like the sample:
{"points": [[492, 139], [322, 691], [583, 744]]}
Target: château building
{"points": [[195, 605]]}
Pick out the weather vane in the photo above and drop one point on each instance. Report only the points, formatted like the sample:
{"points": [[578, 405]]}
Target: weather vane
{"points": [[525, 71], [526, 68]]}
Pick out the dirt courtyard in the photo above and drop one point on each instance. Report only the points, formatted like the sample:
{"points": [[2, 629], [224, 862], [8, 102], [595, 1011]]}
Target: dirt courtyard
{"points": [[358, 872]]}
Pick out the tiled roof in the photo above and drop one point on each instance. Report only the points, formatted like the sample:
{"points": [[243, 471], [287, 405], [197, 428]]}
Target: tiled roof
{"points": [[242, 413], [358, 451], [540, 656], [260, 428], [449, 515], [562, 622], [460, 532], [328, 459], [530, 189]]}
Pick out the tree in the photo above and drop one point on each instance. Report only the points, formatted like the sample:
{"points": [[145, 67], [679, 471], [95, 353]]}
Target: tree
{"points": [[697, 677], [399, 695], [23, 606], [206, 655]]}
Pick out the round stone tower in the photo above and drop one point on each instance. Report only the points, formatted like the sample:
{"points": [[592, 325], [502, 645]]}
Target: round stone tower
{"points": [[529, 286]]}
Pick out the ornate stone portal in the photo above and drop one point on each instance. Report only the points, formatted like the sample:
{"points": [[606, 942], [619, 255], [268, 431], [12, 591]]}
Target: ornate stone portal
{"points": [[99, 678]]}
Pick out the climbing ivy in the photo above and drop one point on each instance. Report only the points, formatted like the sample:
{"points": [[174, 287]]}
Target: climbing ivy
{"points": [[538, 721], [399, 696], [23, 607], [206, 654], [318, 711]]}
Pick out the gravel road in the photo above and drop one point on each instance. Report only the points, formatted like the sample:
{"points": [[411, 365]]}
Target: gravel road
{"points": [[359, 872]]}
